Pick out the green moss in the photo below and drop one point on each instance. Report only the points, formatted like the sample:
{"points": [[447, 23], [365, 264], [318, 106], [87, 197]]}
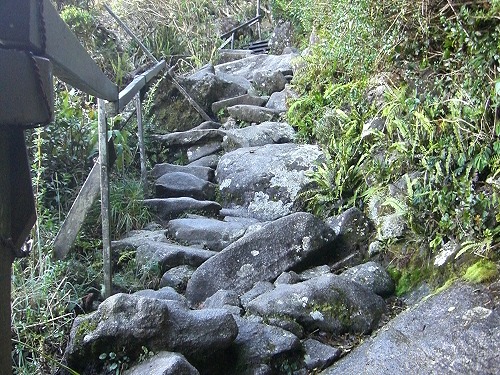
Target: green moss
{"points": [[481, 271], [408, 278], [86, 327]]}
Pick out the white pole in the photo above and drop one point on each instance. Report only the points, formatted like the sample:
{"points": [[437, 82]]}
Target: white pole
{"points": [[140, 135], [103, 160]]}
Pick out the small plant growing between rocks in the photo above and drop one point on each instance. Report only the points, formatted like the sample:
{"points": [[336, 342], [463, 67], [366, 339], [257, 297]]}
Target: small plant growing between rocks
{"points": [[115, 363]]}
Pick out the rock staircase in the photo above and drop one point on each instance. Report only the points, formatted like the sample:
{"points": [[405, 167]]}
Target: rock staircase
{"points": [[250, 284]]}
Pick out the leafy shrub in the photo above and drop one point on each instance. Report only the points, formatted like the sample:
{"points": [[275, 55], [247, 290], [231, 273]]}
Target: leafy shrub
{"points": [[441, 114]]}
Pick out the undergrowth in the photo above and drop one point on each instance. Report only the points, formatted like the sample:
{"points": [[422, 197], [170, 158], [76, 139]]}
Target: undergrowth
{"points": [[428, 71]]}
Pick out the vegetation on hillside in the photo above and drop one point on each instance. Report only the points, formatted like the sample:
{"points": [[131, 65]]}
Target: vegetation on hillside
{"points": [[439, 62]]}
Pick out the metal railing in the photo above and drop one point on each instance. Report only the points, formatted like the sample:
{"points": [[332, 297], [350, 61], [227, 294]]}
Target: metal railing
{"points": [[229, 36]]}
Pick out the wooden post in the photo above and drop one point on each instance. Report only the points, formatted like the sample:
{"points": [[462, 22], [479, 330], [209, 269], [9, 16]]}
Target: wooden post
{"points": [[142, 148], [258, 22], [6, 256], [104, 162]]}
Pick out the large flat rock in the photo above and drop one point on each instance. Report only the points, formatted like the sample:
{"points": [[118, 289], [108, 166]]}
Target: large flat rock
{"points": [[204, 173], [261, 255], [259, 135], [252, 113], [133, 322], [190, 137], [173, 208], [454, 332], [167, 255], [247, 67], [181, 184], [266, 180], [205, 232], [164, 363], [329, 303]]}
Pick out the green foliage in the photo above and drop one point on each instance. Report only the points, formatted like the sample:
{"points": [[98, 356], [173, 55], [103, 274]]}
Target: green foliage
{"points": [[44, 294], [62, 153], [127, 211], [187, 27], [101, 43], [440, 111], [115, 363], [481, 271]]}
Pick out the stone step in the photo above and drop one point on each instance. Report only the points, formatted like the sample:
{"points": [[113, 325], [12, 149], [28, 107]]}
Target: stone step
{"points": [[190, 137], [242, 99], [205, 232], [204, 173], [209, 161], [180, 184], [173, 208], [259, 135], [248, 66], [252, 113]]}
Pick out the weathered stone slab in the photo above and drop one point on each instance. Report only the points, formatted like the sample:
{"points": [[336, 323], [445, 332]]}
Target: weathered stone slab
{"points": [[259, 288], [318, 356], [258, 344], [268, 82], [166, 293], [252, 113], [164, 363], [167, 255], [242, 99], [249, 66], [180, 184], [136, 238], [199, 151], [190, 137], [372, 276], [173, 208], [209, 161], [203, 173], [177, 277], [454, 332], [208, 125], [259, 135], [329, 303], [354, 230], [224, 299], [277, 101], [204, 232], [261, 256], [266, 180]]}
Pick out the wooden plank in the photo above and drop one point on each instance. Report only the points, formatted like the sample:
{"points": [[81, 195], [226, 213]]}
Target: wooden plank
{"points": [[141, 80], [142, 148], [22, 101], [129, 92], [153, 72], [21, 29], [76, 216], [71, 61], [104, 173], [226, 42], [6, 257], [24, 216]]}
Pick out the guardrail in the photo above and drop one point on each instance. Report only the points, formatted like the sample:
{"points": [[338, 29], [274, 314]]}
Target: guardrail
{"points": [[228, 37], [34, 44]]}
